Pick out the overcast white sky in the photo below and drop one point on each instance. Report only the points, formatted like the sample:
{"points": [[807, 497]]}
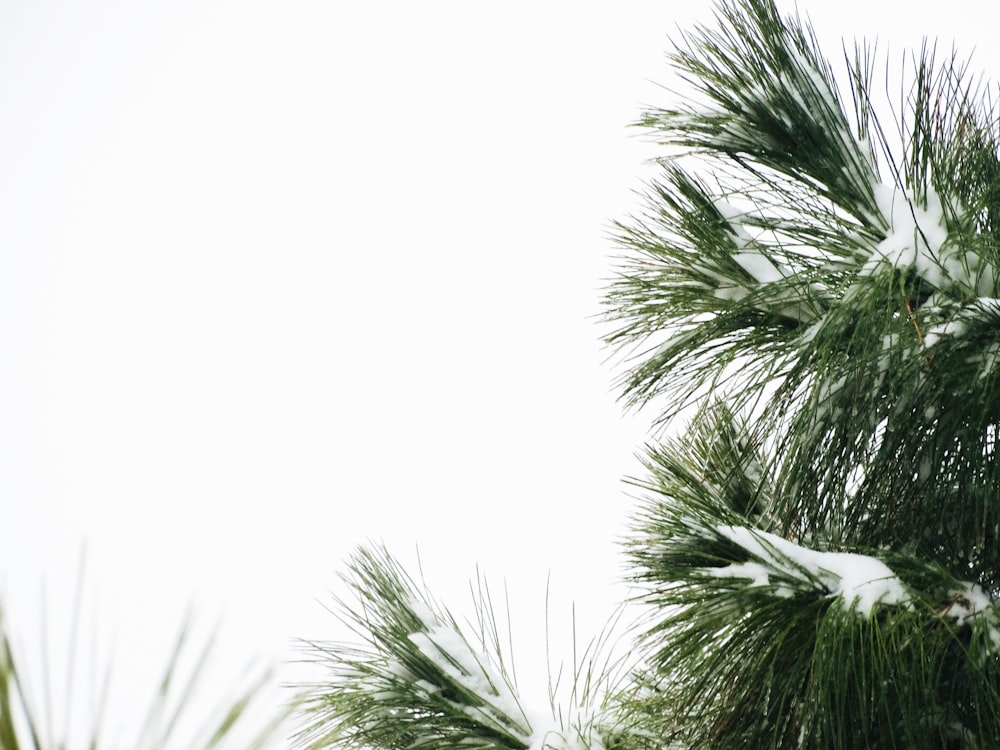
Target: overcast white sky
{"points": [[277, 278]]}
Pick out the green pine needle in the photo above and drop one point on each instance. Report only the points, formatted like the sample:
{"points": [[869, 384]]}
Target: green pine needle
{"points": [[416, 678], [753, 641], [797, 264]]}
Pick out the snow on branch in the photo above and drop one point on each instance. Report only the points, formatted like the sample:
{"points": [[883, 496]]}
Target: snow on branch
{"points": [[448, 650], [918, 239], [861, 581], [972, 606], [416, 678], [916, 234]]}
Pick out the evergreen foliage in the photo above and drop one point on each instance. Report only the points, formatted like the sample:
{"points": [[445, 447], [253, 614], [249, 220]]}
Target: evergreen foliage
{"points": [[817, 551], [419, 679]]}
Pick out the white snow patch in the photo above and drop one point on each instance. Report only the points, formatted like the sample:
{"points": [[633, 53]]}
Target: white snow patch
{"points": [[731, 292], [971, 601], [423, 612], [950, 328], [581, 736], [450, 652], [731, 213], [749, 257], [819, 81], [758, 574], [398, 669], [811, 331], [987, 305], [959, 323], [915, 239], [448, 649], [426, 687], [861, 581], [758, 265]]}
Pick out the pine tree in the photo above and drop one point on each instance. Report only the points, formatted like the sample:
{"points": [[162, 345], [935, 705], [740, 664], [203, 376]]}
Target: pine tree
{"points": [[813, 294]]}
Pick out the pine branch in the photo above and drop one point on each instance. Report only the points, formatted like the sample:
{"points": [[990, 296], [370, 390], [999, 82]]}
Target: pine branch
{"points": [[416, 679], [854, 317], [772, 101], [757, 641]]}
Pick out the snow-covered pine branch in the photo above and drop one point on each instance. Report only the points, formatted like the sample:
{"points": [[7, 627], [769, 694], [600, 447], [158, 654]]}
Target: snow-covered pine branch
{"points": [[756, 640], [417, 679], [842, 292]]}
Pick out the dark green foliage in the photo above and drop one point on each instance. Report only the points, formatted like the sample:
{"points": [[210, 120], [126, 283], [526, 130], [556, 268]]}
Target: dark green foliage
{"points": [[836, 288], [784, 663], [418, 680]]}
